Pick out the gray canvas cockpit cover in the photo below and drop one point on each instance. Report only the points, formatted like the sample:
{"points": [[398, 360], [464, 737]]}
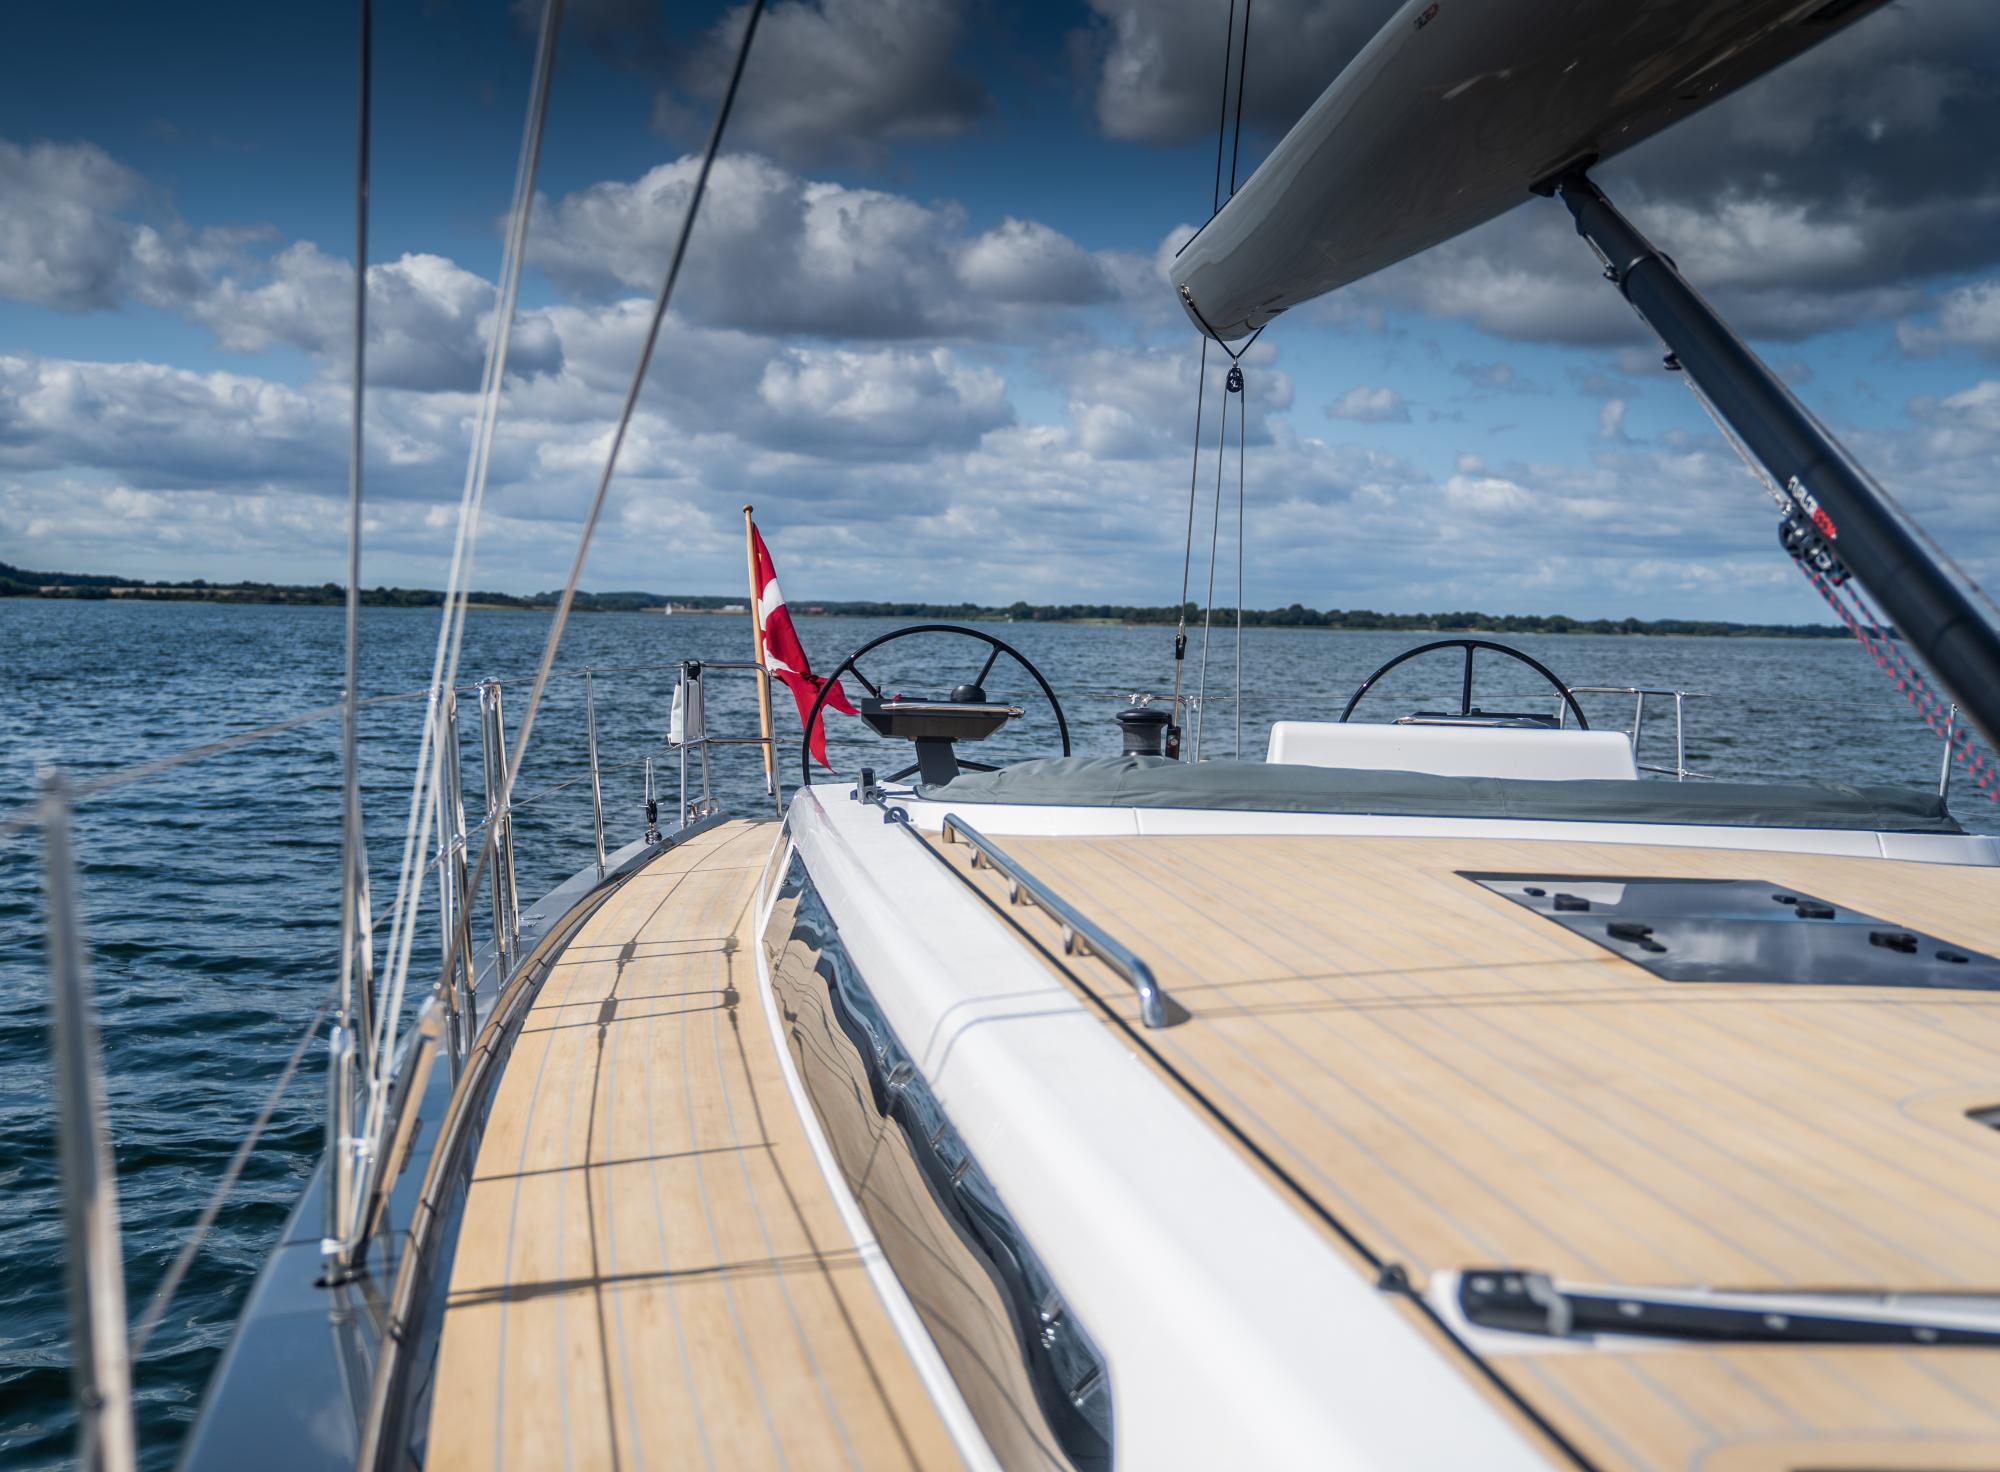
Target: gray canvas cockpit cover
{"points": [[1155, 782]]}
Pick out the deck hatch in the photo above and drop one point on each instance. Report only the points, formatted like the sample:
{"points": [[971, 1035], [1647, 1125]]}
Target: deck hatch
{"points": [[1743, 930]]}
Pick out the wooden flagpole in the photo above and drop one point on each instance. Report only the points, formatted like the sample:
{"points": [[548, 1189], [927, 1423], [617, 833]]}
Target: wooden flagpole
{"points": [[757, 637]]}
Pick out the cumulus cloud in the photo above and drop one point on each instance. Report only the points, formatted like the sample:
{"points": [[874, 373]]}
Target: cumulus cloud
{"points": [[165, 427], [62, 243], [851, 357], [775, 252], [833, 79], [1025, 261], [1977, 407], [68, 240], [891, 402], [429, 319], [1366, 405], [74, 235], [1132, 403], [1967, 317]]}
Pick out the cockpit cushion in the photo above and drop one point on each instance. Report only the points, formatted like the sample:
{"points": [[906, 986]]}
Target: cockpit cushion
{"points": [[1156, 782]]}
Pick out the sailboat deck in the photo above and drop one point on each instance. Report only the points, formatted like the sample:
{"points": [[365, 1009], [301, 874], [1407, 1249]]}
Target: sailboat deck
{"points": [[651, 1267], [1458, 1082]]}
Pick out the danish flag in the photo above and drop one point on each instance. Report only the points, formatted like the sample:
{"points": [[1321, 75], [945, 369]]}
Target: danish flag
{"points": [[785, 655]]}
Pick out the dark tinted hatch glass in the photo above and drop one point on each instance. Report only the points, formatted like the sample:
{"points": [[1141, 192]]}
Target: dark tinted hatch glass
{"points": [[1743, 930]]}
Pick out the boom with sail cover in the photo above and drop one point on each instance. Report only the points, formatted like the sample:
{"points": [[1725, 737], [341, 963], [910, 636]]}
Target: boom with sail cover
{"points": [[1455, 112], [1452, 113]]}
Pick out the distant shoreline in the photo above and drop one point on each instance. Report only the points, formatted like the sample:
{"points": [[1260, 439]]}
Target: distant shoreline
{"points": [[20, 583]]}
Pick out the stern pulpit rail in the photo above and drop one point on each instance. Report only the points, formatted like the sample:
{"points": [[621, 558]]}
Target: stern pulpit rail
{"points": [[1680, 771]]}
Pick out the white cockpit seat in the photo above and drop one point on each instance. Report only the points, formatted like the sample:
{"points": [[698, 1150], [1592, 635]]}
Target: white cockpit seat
{"points": [[1456, 751]]}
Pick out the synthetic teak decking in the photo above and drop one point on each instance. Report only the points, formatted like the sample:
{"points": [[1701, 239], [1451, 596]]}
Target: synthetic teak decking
{"points": [[1461, 1082], [651, 1269]]}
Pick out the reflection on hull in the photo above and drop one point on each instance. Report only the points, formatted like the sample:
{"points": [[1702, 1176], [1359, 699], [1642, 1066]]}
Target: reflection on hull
{"points": [[1028, 1371]]}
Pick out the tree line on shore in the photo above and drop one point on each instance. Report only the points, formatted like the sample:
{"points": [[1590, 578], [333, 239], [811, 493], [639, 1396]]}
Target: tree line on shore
{"points": [[20, 583]]}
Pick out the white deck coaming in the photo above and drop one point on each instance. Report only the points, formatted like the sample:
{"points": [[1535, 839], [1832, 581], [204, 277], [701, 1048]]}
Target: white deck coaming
{"points": [[1000, 819], [924, 1355], [1284, 1355]]}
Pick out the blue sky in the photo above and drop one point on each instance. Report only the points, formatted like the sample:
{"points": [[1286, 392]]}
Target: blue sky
{"points": [[924, 324]]}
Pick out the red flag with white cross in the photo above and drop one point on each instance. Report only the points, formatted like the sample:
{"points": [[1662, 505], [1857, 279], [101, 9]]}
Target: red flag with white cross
{"points": [[783, 653]]}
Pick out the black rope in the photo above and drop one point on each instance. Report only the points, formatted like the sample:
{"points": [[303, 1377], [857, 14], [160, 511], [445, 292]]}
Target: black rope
{"points": [[1242, 438], [1242, 64], [1187, 557], [1222, 134], [1222, 117], [1235, 385]]}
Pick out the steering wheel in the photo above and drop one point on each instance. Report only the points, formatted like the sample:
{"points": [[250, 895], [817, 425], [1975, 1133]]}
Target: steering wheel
{"points": [[1465, 689], [972, 691]]}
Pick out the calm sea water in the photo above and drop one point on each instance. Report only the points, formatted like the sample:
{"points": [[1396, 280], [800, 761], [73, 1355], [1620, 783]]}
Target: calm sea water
{"points": [[212, 905]]}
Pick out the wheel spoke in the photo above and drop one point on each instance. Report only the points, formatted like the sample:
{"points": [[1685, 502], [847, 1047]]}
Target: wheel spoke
{"points": [[998, 647], [1470, 646]]}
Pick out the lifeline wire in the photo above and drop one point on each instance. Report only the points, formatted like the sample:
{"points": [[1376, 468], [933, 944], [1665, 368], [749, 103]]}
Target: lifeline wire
{"points": [[170, 1281], [28, 814], [356, 928], [611, 458]]}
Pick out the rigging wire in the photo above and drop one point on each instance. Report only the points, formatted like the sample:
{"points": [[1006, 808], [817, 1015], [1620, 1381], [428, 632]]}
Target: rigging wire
{"points": [[563, 605], [356, 928], [1201, 388], [1242, 65], [1236, 382], [1222, 117], [451, 627]]}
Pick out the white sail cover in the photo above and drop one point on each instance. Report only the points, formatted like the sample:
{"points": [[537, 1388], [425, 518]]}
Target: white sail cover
{"points": [[1453, 112]]}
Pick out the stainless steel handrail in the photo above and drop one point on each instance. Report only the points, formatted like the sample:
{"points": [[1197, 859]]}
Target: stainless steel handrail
{"points": [[454, 902], [493, 752], [1680, 771], [1081, 935], [1944, 773]]}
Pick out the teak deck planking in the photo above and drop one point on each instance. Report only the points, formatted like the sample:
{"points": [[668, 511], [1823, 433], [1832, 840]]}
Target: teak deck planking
{"points": [[651, 1269], [1461, 1082]]}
